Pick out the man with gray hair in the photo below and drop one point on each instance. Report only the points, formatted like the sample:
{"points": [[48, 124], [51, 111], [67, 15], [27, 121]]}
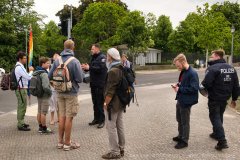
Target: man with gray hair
{"points": [[68, 101], [111, 102]]}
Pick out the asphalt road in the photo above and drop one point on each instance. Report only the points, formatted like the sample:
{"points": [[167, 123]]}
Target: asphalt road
{"points": [[8, 101]]}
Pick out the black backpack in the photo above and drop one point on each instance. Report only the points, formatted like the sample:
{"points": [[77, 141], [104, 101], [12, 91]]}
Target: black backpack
{"points": [[125, 90], [35, 86], [9, 81]]}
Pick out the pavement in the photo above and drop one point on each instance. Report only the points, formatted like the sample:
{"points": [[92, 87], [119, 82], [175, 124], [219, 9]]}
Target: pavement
{"points": [[149, 129]]}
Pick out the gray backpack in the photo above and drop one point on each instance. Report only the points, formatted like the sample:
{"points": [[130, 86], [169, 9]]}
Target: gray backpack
{"points": [[35, 87]]}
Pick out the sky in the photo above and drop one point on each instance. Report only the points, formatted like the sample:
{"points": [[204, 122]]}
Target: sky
{"points": [[177, 10]]}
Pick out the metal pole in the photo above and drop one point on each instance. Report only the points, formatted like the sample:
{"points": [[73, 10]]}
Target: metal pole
{"points": [[69, 28], [231, 62], [71, 18]]}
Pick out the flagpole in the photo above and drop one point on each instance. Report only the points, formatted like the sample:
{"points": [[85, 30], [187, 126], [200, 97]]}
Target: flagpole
{"points": [[26, 47]]}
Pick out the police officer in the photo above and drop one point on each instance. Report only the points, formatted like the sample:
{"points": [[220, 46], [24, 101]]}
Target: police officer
{"points": [[221, 82], [98, 72]]}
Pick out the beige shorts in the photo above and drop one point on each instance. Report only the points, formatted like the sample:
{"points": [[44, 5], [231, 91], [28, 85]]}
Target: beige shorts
{"points": [[67, 105], [43, 105]]}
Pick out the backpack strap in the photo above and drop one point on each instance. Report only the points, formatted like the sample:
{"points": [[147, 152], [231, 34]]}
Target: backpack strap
{"points": [[68, 61], [60, 60]]}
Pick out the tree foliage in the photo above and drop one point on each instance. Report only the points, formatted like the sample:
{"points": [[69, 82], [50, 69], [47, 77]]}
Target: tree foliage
{"points": [[182, 39], [133, 32], [161, 32], [99, 23], [77, 12], [15, 17], [51, 39]]}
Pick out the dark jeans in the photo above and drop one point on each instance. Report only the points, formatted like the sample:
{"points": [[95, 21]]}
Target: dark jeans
{"points": [[98, 100], [216, 110], [183, 119]]}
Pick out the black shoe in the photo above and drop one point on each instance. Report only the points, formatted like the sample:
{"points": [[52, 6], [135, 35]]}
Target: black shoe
{"points": [[93, 122], [181, 145], [26, 125], [176, 139], [23, 128], [221, 145], [213, 136], [121, 151], [101, 125]]}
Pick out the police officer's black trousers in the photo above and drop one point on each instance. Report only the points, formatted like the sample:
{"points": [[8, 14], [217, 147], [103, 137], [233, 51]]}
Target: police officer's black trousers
{"points": [[216, 111], [98, 100]]}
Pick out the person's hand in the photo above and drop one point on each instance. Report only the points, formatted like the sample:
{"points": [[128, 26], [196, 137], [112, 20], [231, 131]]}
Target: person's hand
{"points": [[30, 68], [85, 66], [175, 87], [105, 105], [233, 104]]}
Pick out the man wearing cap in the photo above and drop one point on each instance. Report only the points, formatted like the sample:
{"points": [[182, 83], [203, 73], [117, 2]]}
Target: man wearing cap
{"points": [[98, 72], [111, 102]]}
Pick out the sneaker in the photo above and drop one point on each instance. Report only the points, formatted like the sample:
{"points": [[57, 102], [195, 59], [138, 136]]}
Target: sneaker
{"points": [[59, 146], [40, 129], [176, 139], [181, 145], [23, 128], [73, 145], [101, 125], [47, 131], [213, 136], [221, 145], [111, 155]]}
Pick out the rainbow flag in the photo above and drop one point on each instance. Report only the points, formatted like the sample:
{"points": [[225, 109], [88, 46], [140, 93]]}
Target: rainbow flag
{"points": [[30, 48]]}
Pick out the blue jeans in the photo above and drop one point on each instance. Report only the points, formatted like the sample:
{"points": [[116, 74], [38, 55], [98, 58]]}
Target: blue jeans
{"points": [[216, 111]]}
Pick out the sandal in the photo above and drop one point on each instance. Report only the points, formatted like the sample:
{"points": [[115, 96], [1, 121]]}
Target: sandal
{"points": [[59, 146], [73, 145]]}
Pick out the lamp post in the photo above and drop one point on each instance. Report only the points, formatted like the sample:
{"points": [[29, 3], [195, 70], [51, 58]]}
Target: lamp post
{"points": [[232, 31]]}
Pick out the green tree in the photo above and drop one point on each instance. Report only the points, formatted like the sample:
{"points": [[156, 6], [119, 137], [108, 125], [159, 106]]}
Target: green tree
{"points": [[65, 14], [51, 39], [15, 17], [77, 12], [182, 39], [161, 32], [99, 24], [133, 32], [231, 11], [213, 29]]}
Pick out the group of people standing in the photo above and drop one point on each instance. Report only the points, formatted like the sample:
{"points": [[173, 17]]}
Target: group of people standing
{"points": [[104, 79], [221, 83]]}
